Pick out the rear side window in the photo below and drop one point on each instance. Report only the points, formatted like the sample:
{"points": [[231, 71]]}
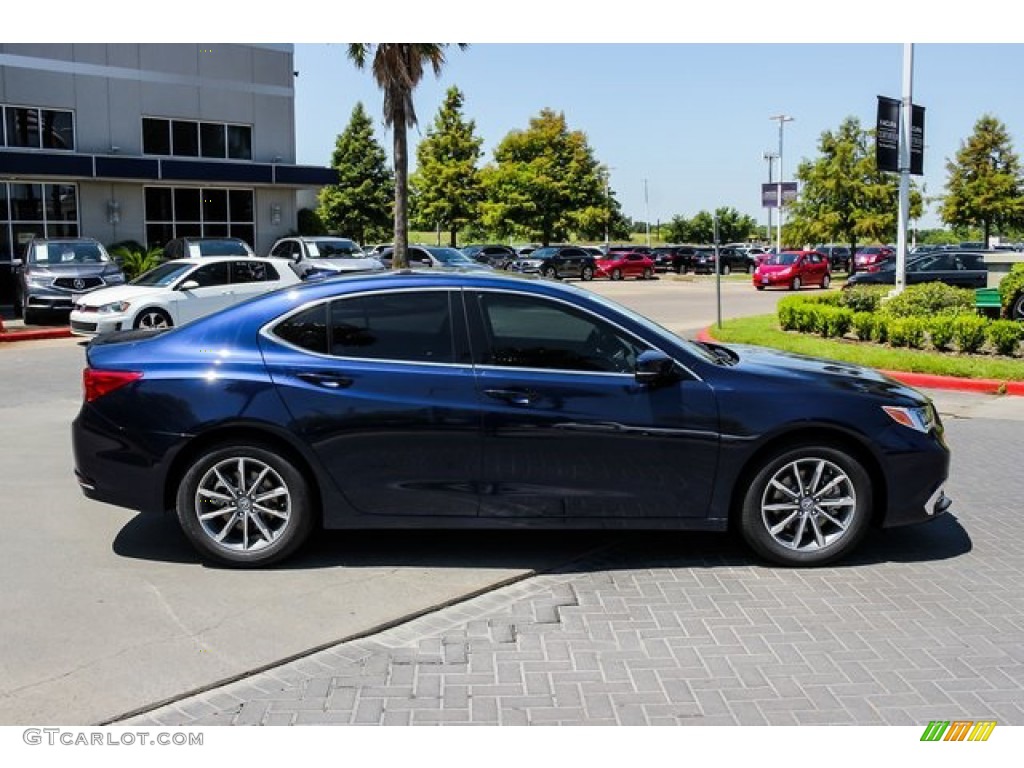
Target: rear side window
{"points": [[412, 327], [306, 329], [251, 271]]}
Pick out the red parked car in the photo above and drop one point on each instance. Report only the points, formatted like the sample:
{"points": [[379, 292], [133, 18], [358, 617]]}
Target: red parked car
{"points": [[618, 265], [870, 258], [793, 269]]}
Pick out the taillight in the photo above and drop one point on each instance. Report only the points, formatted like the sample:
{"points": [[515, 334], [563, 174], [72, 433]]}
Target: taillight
{"points": [[96, 383]]}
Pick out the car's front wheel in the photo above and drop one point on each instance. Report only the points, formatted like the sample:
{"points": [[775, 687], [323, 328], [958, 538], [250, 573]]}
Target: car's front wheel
{"points": [[153, 319], [587, 273], [244, 505], [648, 274], [825, 281], [549, 272], [795, 285], [726, 269], [806, 505], [1017, 309], [616, 274]]}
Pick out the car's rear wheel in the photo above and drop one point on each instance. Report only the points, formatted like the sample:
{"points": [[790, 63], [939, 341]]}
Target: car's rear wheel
{"points": [[550, 272], [648, 274], [825, 281], [681, 268], [726, 269], [244, 505], [151, 319], [587, 273], [806, 505], [616, 274], [795, 285]]}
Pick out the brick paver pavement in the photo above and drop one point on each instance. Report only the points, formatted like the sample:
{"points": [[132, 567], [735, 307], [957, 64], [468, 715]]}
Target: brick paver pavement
{"points": [[926, 623]]}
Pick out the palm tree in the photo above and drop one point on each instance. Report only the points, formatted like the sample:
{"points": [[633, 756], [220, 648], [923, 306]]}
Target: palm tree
{"points": [[398, 68]]}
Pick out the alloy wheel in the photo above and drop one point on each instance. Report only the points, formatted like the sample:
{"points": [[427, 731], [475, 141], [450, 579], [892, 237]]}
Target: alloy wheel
{"points": [[243, 504], [808, 504]]}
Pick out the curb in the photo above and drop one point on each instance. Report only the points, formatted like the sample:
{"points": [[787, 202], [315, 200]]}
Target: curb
{"points": [[42, 333], [933, 381]]}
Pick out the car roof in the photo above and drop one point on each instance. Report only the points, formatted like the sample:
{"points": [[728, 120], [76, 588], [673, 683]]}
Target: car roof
{"points": [[235, 257]]}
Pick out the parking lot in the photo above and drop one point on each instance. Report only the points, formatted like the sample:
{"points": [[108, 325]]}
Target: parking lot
{"points": [[108, 614]]}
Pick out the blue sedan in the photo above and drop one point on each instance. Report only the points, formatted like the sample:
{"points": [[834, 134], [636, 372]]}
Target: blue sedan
{"points": [[437, 399]]}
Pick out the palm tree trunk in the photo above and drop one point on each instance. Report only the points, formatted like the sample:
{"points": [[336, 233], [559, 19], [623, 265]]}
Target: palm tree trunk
{"points": [[400, 257]]}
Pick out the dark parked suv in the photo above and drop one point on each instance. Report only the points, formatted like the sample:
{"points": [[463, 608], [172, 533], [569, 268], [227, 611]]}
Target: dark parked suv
{"points": [[54, 271], [558, 261], [838, 256], [497, 256], [675, 258], [187, 247]]}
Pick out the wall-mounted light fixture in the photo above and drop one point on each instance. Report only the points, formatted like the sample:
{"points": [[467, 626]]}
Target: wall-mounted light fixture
{"points": [[114, 149], [275, 213], [277, 158], [113, 212]]}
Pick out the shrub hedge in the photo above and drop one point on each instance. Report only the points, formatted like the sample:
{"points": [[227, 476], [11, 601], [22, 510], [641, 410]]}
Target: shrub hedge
{"points": [[930, 313]]}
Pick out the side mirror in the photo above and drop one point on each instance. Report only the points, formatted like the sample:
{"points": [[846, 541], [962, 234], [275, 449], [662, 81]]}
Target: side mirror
{"points": [[654, 367], [188, 285], [16, 263], [426, 262]]}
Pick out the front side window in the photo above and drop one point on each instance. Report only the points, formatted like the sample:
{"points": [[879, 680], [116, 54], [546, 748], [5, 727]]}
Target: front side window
{"points": [[210, 275], [531, 332]]}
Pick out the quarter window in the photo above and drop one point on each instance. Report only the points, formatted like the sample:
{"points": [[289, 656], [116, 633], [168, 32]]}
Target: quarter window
{"points": [[306, 329]]}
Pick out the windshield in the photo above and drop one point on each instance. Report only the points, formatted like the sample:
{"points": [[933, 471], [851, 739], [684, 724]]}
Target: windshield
{"points": [[57, 254], [450, 256], [164, 275], [333, 249], [782, 259]]}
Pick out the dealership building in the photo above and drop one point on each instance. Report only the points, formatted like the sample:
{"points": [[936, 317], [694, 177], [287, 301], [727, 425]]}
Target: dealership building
{"points": [[148, 142]]}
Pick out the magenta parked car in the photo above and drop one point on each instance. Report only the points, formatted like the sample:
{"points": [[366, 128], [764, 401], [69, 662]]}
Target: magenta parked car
{"points": [[793, 270]]}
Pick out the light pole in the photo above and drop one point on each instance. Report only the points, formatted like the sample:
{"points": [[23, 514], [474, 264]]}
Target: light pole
{"points": [[647, 215], [770, 157], [608, 200], [783, 119]]}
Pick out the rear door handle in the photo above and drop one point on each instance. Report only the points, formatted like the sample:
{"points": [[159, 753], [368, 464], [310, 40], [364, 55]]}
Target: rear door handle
{"points": [[513, 396], [326, 380]]}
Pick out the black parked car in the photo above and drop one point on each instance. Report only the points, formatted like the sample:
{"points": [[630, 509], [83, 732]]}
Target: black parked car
{"points": [[963, 269], [558, 261], [676, 258], [497, 256], [187, 247], [442, 399], [839, 256], [735, 260]]}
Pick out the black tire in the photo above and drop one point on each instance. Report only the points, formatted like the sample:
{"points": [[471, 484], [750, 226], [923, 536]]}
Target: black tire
{"points": [[681, 268], [153, 317], [759, 287], [726, 270], [795, 285], [288, 521], [587, 273], [616, 274], [1017, 308], [550, 272], [798, 527], [647, 275], [30, 316], [825, 281]]}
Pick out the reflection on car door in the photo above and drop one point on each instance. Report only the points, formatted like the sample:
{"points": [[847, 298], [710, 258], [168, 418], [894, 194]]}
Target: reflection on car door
{"points": [[381, 388], [213, 293], [569, 432]]}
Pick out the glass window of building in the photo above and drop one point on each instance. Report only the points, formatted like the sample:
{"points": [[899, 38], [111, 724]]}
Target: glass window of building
{"points": [[156, 136], [211, 140], [35, 210], [185, 135], [193, 212], [240, 142]]}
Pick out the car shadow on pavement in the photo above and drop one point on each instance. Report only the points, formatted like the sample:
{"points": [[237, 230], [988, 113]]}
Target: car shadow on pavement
{"points": [[158, 538]]}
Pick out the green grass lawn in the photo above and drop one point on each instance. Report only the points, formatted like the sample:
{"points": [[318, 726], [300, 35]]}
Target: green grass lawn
{"points": [[763, 330]]}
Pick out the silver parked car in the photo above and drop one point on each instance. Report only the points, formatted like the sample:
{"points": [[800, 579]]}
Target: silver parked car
{"points": [[54, 271]]}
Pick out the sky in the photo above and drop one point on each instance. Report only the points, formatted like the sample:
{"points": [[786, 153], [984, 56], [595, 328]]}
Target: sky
{"points": [[689, 122]]}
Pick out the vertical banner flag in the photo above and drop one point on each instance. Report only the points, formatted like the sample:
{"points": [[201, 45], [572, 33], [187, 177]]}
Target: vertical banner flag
{"points": [[887, 134], [917, 140]]}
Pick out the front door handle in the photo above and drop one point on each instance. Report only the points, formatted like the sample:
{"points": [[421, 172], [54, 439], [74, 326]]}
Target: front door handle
{"points": [[326, 380], [513, 396]]}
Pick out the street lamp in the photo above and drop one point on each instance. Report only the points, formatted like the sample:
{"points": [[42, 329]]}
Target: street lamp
{"points": [[783, 119], [770, 157]]}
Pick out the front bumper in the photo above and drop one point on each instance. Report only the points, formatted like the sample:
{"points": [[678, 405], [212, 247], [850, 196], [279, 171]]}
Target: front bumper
{"points": [[94, 323]]}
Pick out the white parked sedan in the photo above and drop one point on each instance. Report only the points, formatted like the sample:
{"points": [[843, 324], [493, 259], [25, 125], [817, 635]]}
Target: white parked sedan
{"points": [[325, 254], [178, 291]]}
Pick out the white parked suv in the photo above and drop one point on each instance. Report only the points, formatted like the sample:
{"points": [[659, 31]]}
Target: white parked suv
{"points": [[323, 253], [179, 291]]}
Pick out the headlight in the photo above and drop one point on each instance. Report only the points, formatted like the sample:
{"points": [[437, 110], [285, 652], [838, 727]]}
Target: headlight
{"points": [[38, 279], [922, 419], [114, 307], [115, 279]]}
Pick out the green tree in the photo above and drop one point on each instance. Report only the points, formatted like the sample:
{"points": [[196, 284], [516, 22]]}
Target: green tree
{"points": [[398, 68], [446, 190], [359, 205], [545, 183], [983, 188], [844, 197], [677, 230]]}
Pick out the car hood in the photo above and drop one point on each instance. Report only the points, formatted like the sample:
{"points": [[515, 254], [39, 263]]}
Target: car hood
{"points": [[773, 268], [125, 292], [346, 264], [72, 270], [813, 372]]}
